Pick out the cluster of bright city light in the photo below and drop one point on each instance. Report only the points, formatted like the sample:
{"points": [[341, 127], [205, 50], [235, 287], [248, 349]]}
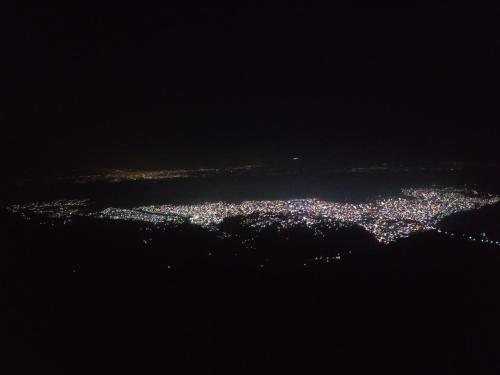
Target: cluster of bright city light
{"points": [[387, 219], [59, 209]]}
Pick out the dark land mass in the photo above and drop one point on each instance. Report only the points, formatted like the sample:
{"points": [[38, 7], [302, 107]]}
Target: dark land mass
{"points": [[92, 297]]}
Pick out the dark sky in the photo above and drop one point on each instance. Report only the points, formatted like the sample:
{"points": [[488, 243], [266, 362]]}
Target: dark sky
{"points": [[201, 84]]}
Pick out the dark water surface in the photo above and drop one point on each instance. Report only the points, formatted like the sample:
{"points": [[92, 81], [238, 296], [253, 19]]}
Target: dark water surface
{"points": [[352, 185]]}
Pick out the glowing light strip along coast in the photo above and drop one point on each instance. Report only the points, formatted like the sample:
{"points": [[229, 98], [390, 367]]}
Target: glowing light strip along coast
{"points": [[387, 219]]}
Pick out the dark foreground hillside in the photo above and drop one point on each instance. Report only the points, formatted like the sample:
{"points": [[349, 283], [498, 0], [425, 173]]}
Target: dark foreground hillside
{"points": [[92, 297]]}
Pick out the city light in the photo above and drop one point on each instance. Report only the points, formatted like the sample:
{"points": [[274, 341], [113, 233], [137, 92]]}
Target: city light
{"points": [[412, 211]]}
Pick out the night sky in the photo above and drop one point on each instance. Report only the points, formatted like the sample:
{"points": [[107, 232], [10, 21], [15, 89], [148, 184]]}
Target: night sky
{"points": [[204, 84]]}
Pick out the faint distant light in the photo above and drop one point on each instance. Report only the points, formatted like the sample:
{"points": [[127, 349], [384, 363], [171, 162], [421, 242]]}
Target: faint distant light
{"points": [[295, 158]]}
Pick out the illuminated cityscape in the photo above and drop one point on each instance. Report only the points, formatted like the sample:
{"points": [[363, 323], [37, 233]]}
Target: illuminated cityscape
{"points": [[387, 219], [242, 187], [58, 209]]}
